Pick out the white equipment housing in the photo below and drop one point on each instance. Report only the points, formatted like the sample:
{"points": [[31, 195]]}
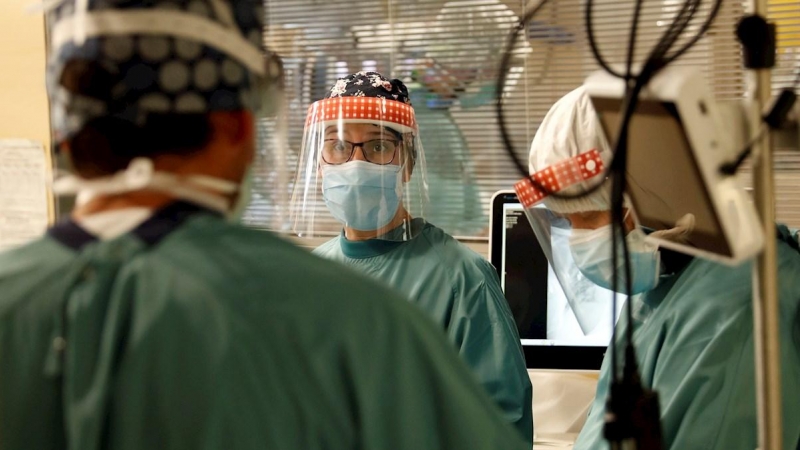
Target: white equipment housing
{"points": [[677, 142]]}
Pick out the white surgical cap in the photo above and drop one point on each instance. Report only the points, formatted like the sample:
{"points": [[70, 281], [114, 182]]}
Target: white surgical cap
{"points": [[570, 128]]}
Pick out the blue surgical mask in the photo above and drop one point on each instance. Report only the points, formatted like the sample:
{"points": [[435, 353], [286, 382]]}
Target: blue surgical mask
{"points": [[591, 250], [362, 195]]}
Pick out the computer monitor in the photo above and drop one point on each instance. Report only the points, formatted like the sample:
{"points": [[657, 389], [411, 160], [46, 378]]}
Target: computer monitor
{"points": [[549, 328]]}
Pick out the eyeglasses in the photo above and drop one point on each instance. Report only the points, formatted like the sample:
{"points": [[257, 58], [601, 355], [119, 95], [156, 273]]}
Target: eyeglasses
{"points": [[376, 151]]}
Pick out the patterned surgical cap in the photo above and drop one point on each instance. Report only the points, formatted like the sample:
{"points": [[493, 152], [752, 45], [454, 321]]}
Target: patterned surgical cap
{"points": [[370, 84], [131, 75]]}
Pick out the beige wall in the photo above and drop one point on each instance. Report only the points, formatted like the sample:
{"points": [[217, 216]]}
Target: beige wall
{"points": [[23, 98]]}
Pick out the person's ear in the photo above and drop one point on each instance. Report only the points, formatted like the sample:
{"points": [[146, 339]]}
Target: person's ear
{"points": [[65, 150], [408, 164], [630, 224], [236, 130], [409, 158], [407, 172]]}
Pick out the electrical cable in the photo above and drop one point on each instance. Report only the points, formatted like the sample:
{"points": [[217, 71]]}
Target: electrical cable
{"points": [[587, 17], [627, 398], [628, 77], [504, 69], [732, 167], [500, 86], [505, 136], [655, 62], [618, 163], [748, 29], [703, 29], [632, 38], [618, 166]]}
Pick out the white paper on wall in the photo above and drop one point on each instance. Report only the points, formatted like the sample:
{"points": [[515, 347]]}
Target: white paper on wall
{"points": [[24, 192]]}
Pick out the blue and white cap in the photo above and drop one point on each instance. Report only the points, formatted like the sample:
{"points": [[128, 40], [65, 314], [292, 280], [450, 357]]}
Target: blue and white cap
{"points": [[141, 57]]}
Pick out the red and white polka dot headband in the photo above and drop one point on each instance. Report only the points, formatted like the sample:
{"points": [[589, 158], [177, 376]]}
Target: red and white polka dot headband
{"points": [[558, 177], [384, 111]]}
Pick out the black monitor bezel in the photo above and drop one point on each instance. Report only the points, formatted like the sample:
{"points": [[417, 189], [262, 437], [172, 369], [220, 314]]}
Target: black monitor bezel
{"points": [[537, 356]]}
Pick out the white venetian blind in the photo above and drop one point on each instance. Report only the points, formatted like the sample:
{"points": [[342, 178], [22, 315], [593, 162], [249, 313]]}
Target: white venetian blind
{"points": [[322, 40]]}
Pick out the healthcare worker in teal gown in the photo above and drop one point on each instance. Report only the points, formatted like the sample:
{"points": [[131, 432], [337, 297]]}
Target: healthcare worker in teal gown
{"points": [[149, 320], [363, 165], [693, 321]]}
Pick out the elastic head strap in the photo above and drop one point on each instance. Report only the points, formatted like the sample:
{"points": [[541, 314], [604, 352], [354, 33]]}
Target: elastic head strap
{"points": [[559, 176]]}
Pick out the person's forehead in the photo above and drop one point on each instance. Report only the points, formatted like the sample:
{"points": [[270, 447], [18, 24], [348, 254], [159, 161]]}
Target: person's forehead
{"points": [[356, 128]]}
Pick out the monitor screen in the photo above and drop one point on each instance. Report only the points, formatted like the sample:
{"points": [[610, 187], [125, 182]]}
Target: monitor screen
{"points": [[556, 333]]}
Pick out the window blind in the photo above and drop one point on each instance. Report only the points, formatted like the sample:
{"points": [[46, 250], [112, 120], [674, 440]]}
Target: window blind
{"points": [[321, 41]]}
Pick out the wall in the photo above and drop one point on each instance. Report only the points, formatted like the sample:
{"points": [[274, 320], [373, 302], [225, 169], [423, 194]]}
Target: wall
{"points": [[24, 109], [23, 98]]}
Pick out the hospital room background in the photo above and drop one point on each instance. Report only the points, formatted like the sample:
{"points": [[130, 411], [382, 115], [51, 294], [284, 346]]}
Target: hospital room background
{"points": [[447, 52]]}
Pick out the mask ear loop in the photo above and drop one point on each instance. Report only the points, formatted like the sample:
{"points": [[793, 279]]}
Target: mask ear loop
{"points": [[141, 175]]}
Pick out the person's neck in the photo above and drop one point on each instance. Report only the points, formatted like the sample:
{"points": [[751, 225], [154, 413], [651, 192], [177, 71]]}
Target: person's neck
{"points": [[178, 165], [359, 235], [104, 203]]}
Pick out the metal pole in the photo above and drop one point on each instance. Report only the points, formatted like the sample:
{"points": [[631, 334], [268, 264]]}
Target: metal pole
{"points": [[765, 292]]}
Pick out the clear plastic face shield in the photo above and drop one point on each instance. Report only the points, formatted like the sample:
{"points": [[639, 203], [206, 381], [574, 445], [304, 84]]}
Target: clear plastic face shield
{"points": [[362, 168], [577, 241]]}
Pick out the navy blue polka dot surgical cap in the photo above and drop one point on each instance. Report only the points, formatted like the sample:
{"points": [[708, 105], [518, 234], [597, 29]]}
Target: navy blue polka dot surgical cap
{"points": [[370, 84], [131, 58]]}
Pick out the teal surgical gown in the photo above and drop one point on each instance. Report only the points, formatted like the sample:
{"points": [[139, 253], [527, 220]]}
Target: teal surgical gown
{"points": [[695, 348], [193, 333], [459, 289]]}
